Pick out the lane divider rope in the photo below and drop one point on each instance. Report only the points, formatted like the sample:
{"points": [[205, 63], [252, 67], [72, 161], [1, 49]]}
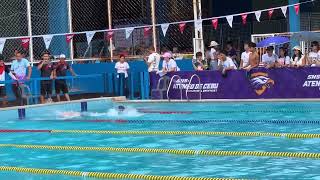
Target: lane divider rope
{"points": [[102, 175], [169, 151]]}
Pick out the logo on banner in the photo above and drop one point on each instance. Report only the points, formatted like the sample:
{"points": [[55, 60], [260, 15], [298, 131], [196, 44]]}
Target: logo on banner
{"points": [[206, 87], [312, 81], [261, 82]]}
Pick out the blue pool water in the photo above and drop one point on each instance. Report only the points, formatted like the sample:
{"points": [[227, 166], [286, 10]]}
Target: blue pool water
{"points": [[199, 117]]}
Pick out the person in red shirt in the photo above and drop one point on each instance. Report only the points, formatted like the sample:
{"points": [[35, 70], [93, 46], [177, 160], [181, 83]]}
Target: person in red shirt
{"points": [[3, 70]]}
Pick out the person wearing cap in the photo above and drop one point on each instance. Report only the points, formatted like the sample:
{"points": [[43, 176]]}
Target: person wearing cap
{"points": [[46, 68], [314, 55], [3, 70], [213, 56], [61, 69], [169, 64], [298, 59], [269, 59]]}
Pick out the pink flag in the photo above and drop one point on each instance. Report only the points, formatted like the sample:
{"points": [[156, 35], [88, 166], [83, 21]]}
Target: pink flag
{"points": [[146, 31], [244, 18], [69, 37], [297, 8], [182, 27], [270, 12], [25, 42], [109, 35], [215, 23]]}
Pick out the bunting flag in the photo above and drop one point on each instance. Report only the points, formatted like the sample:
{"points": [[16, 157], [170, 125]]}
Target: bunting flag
{"points": [[2, 42], [129, 31], [244, 18], [258, 15], [215, 23], [284, 10], [25, 43], [146, 31], [270, 12], [297, 8], [182, 27], [198, 24], [230, 20], [69, 37], [47, 40], [165, 28], [109, 35], [90, 35]]}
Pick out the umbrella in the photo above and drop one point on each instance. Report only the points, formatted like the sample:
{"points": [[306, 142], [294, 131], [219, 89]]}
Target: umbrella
{"points": [[272, 41], [306, 36]]}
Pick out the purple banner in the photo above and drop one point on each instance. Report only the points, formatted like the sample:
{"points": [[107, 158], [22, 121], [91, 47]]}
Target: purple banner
{"points": [[239, 84]]}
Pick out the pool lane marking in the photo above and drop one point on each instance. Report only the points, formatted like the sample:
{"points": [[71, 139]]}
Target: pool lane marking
{"points": [[184, 152], [102, 175]]}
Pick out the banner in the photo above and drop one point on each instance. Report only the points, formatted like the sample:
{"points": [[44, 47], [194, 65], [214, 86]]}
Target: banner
{"points": [[244, 18], [165, 28], [182, 27], [109, 35], [297, 8], [2, 43], [260, 83], [198, 24], [47, 40], [215, 23], [146, 31], [258, 15], [129, 32], [230, 20], [90, 36], [270, 12], [69, 37], [284, 10], [25, 43]]}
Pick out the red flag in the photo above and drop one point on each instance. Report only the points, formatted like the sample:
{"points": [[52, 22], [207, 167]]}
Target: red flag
{"points": [[25, 43], [69, 37], [146, 31], [182, 27], [270, 12], [109, 35], [215, 23], [244, 18], [297, 8]]}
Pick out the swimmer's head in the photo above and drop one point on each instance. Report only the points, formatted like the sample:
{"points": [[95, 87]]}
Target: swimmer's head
{"points": [[121, 108]]}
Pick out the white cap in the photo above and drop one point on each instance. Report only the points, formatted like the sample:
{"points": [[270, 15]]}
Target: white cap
{"points": [[62, 56], [213, 44]]}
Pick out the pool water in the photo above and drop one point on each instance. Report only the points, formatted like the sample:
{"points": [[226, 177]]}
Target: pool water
{"points": [[229, 117]]}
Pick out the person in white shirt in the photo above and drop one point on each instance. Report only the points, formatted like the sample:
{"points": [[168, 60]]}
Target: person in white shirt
{"points": [[284, 59], [269, 58], [169, 64], [245, 57], [298, 59], [122, 68], [153, 61], [227, 62], [314, 55]]}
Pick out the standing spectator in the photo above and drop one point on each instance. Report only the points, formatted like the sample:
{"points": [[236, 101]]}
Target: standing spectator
{"points": [[169, 64], [213, 56], [232, 53], [199, 64], [61, 69], [227, 62], [122, 68], [284, 59], [245, 56], [269, 58], [47, 71], [153, 61], [298, 59], [314, 55], [19, 69], [3, 70], [254, 58]]}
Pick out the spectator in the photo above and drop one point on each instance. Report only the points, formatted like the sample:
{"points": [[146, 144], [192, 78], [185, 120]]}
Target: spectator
{"points": [[199, 64], [269, 58], [3, 70], [61, 69], [169, 64], [298, 59], [212, 56], [153, 61], [314, 55], [213, 49], [284, 59], [19, 69], [232, 53], [122, 68], [227, 62], [253, 58], [245, 56], [47, 71]]}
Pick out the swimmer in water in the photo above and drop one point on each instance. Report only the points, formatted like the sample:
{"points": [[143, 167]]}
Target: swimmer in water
{"points": [[121, 109]]}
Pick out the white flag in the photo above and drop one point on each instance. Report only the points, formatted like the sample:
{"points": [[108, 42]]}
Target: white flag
{"points": [[90, 35], [129, 32], [230, 20], [198, 24], [258, 15], [164, 28], [47, 40], [284, 10], [2, 42]]}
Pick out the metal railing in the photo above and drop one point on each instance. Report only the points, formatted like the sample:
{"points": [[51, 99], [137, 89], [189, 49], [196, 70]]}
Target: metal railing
{"points": [[172, 78], [200, 89]]}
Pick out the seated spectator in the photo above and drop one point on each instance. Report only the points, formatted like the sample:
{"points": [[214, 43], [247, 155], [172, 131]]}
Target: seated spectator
{"points": [[269, 58], [298, 59], [226, 62], [199, 64], [3, 70], [169, 64], [314, 56], [245, 57], [232, 53], [284, 59]]}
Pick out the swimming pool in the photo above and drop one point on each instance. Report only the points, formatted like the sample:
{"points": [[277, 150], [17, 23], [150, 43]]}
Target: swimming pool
{"points": [[162, 135]]}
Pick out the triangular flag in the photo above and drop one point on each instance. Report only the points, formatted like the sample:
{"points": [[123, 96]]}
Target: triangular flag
{"points": [[215, 23], [165, 28], [69, 38], [90, 35], [258, 15], [198, 24], [230, 20], [244, 18], [109, 35], [297, 8], [2, 42], [182, 27], [129, 31], [47, 40], [25, 42], [270, 12], [146, 31], [284, 10]]}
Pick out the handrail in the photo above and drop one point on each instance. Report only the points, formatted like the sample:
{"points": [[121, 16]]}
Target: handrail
{"points": [[199, 80], [170, 86]]}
